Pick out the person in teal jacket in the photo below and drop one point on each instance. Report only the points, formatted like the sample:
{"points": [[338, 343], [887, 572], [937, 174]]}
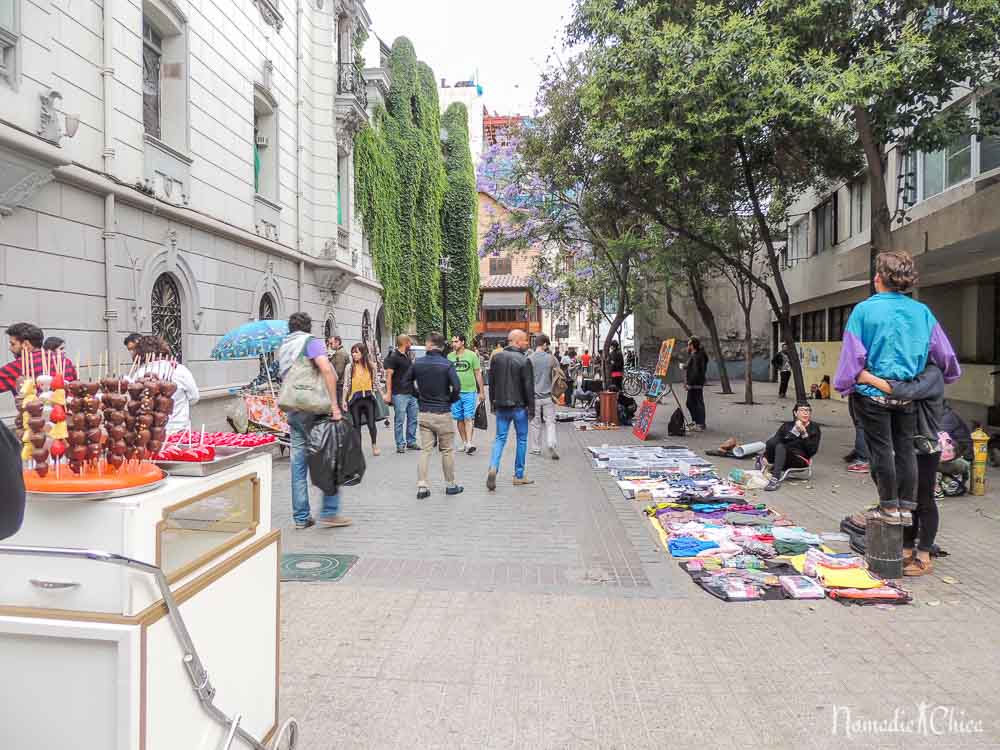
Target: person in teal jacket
{"points": [[893, 337]]}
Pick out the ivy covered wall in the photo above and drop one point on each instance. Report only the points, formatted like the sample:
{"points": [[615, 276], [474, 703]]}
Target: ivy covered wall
{"points": [[400, 193], [459, 220]]}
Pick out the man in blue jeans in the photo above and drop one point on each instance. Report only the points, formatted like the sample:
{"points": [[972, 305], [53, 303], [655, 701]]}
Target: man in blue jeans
{"points": [[399, 393], [512, 399], [298, 343]]}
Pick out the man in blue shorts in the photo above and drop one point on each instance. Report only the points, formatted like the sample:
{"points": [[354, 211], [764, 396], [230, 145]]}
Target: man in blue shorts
{"points": [[470, 375]]}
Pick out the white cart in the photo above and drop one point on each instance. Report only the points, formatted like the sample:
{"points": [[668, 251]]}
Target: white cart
{"points": [[147, 622]]}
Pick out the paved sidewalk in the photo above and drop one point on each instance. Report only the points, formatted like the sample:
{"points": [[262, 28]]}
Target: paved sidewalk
{"points": [[549, 617]]}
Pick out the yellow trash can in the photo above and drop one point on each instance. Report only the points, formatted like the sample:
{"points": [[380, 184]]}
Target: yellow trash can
{"points": [[980, 440]]}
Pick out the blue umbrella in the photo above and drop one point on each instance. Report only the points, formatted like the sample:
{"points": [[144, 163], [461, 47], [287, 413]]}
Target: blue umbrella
{"points": [[251, 340]]}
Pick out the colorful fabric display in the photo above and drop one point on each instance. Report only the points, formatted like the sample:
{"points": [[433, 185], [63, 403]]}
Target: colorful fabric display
{"points": [[795, 534], [686, 546]]}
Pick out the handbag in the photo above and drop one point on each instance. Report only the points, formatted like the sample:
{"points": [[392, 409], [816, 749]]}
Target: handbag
{"points": [[303, 388], [480, 420]]}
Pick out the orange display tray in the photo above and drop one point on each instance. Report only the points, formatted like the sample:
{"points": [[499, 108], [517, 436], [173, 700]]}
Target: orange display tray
{"points": [[93, 484]]}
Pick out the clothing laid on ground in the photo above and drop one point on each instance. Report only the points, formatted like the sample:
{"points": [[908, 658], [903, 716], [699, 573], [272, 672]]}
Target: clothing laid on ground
{"points": [[466, 365], [400, 364], [436, 427], [435, 382]]}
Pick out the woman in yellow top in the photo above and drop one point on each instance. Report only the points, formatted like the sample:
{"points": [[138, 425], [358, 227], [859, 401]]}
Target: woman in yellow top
{"points": [[360, 390]]}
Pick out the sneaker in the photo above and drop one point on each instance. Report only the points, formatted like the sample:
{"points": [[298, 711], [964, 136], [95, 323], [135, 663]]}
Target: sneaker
{"points": [[760, 463], [491, 480], [851, 457], [772, 485], [859, 467], [413, 447], [522, 481], [305, 524], [401, 449], [456, 490], [470, 450], [553, 455], [885, 515], [423, 493], [336, 522], [696, 428], [536, 453]]}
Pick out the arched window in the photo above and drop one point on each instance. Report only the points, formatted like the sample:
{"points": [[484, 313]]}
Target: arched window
{"points": [[366, 329], [166, 314], [330, 327], [267, 308]]}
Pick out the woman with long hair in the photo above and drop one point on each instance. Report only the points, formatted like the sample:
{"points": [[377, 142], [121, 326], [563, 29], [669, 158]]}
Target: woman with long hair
{"points": [[360, 390]]}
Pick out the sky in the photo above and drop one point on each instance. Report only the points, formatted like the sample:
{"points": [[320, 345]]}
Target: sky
{"points": [[506, 41]]}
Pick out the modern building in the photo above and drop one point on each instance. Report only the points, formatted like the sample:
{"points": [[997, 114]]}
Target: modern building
{"points": [[470, 94], [948, 203], [181, 168]]}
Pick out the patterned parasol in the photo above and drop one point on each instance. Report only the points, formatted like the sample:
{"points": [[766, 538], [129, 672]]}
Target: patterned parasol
{"points": [[251, 340]]}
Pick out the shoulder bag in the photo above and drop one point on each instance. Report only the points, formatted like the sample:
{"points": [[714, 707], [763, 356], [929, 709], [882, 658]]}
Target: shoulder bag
{"points": [[304, 388]]}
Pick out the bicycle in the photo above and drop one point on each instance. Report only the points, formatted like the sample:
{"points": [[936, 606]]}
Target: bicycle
{"points": [[636, 381]]}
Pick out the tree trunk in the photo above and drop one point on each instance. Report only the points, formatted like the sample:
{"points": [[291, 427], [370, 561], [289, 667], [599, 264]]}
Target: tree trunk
{"points": [[708, 318], [748, 353], [681, 323], [780, 305], [881, 216]]}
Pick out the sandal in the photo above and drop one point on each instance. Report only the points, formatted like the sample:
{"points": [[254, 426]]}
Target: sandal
{"points": [[885, 515], [917, 567]]}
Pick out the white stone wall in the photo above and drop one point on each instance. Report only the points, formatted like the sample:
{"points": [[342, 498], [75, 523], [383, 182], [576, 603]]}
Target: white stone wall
{"points": [[52, 245]]}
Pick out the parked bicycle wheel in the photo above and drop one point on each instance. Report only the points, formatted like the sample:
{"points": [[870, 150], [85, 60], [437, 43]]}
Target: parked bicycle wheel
{"points": [[632, 384]]}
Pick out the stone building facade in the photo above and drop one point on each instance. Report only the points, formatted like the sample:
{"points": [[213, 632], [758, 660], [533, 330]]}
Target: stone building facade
{"points": [[183, 167]]}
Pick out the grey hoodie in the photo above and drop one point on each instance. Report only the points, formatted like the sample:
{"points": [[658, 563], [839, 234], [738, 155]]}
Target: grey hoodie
{"points": [[927, 392]]}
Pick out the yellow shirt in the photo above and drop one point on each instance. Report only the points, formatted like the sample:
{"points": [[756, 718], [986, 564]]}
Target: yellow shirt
{"points": [[361, 379]]}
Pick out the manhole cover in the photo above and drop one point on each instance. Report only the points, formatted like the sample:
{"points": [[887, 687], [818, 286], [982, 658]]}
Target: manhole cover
{"points": [[300, 567]]}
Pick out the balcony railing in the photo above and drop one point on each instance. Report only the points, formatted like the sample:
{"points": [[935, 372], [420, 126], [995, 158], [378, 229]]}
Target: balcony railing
{"points": [[351, 82]]}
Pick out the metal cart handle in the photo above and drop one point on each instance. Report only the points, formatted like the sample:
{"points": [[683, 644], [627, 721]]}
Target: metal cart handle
{"points": [[192, 662]]}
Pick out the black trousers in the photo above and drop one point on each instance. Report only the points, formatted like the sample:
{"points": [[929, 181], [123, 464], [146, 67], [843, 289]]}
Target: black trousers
{"points": [[781, 458], [363, 410], [889, 434], [783, 377], [925, 517], [696, 405]]}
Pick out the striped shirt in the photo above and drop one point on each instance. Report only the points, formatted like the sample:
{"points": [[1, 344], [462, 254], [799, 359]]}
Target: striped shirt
{"points": [[10, 372]]}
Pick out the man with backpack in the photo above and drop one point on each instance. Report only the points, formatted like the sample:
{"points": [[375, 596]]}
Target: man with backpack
{"points": [[783, 364], [550, 383]]}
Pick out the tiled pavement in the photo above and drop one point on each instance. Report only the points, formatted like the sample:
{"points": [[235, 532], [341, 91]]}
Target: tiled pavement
{"points": [[548, 617]]}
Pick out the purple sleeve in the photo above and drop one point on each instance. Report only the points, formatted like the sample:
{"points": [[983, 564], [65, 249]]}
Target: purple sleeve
{"points": [[942, 354], [315, 348], [853, 356]]}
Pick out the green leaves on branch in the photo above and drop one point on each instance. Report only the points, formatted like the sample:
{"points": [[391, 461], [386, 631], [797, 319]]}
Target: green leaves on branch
{"points": [[459, 220]]}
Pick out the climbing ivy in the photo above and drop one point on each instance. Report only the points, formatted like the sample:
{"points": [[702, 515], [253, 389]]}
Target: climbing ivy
{"points": [[376, 197], [459, 218], [400, 185]]}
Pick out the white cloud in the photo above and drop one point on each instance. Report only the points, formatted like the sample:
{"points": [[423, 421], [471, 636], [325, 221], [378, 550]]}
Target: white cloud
{"points": [[507, 42]]}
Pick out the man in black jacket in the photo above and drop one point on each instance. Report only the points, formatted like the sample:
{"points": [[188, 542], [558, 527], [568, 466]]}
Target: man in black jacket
{"points": [[793, 445], [694, 382], [436, 386], [512, 399]]}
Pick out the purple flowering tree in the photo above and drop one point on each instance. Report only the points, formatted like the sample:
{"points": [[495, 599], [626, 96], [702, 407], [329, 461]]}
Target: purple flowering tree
{"points": [[564, 202]]}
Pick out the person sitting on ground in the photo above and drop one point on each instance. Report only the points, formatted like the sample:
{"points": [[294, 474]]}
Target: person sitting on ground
{"points": [[792, 446], [960, 434], [821, 389]]}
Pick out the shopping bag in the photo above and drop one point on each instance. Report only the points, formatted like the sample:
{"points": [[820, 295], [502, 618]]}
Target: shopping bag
{"points": [[350, 459], [480, 421], [304, 388], [322, 449], [381, 407]]}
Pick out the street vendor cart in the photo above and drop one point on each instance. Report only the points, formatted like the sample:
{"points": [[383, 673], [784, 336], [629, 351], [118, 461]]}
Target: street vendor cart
{"points": [[145, 618]]}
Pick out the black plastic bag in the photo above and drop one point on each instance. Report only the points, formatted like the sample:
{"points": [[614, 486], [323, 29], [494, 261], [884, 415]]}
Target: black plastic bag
{"points": [[480, 421], [11, 484], [351, 459], [323, 448]]}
